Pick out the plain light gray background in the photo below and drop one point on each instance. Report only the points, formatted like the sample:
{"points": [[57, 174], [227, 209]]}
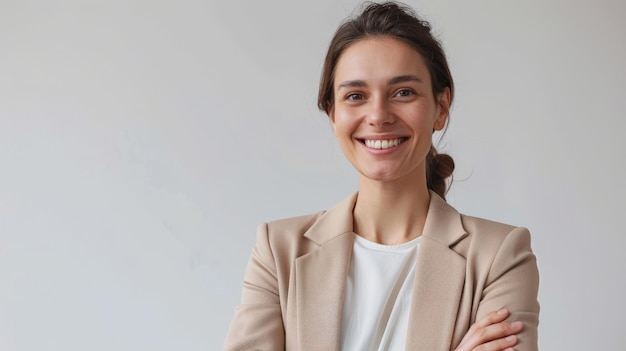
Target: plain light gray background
{"points": [[141, 142]]}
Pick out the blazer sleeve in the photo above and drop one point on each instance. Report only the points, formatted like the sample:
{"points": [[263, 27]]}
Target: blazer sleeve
{"points": [[257, 323], [513, 283]]}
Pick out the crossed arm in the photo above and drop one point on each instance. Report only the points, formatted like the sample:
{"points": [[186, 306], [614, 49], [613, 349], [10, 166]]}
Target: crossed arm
{"points": [[490, 332]]}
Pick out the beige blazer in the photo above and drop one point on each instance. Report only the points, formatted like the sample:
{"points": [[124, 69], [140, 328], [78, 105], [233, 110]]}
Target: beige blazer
{"points": [[294, 285]]}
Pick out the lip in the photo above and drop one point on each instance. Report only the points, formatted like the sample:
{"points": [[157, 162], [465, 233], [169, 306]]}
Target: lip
{"points": [[381, 137], [361, 141]]}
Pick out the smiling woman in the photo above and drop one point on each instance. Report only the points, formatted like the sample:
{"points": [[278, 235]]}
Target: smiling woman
{"points": [[384, 110], [392, 267]]}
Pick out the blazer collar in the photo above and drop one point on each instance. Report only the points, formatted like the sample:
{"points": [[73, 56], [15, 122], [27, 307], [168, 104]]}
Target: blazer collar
{"points": [[443, 222], [321, 278], [334, 222]]}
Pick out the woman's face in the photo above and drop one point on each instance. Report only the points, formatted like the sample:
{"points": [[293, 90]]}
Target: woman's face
{"points": [[384, 111]]}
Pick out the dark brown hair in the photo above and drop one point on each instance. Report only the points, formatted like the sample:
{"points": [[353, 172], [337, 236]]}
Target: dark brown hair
{"points": [[397, 21]]}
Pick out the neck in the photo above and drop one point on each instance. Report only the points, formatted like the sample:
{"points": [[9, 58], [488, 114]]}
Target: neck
{"points": [[391, 212]]}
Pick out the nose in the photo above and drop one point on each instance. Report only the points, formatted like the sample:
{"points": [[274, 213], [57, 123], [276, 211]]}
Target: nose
{"points": [[379, 113]]}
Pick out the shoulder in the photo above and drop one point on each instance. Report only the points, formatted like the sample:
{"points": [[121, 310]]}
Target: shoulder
{"points": [[292, 226], [466, 234], [287, 231], [489, 232], [489, 245], [475, 224], [300, 234], [284, 239]]}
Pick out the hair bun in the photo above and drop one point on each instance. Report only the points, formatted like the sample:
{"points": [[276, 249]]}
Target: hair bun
{"points": [[439, 167]]}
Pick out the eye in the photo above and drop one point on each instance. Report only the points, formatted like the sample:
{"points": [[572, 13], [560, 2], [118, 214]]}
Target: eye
{"points": [[404, 92], [354, 96]]}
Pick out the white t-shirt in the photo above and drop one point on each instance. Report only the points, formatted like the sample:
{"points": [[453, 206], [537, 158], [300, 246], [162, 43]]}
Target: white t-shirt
{"points": [[378, 296]]}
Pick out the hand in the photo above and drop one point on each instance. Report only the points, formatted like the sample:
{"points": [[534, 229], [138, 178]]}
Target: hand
{"points": [[491, 333]]}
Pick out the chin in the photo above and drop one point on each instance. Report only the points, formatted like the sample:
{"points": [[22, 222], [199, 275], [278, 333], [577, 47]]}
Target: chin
{"points": [[380, 176], [389, 173]]}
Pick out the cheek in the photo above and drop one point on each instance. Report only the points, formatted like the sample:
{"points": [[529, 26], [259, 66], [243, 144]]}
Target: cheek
{"points": [[343, 126], [420, 120]]}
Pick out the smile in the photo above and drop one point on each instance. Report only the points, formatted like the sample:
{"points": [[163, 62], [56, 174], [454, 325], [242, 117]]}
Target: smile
{"points": [[383, 144]]}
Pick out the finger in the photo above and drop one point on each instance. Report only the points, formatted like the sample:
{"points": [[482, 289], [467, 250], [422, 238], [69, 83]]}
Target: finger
{"points": [[502, 344], [493, 332], [492, 318], [488, 319]]}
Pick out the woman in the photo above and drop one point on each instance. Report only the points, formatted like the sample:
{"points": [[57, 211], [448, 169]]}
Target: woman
{"points": [[392, 267]]}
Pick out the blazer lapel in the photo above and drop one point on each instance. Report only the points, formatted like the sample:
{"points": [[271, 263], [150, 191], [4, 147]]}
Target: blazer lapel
{"points": [[439, 280], [322, 273], [321, 278]]}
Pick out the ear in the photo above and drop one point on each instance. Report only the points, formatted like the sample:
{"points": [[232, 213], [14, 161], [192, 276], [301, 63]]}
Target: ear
{"points": [[443, 101]]}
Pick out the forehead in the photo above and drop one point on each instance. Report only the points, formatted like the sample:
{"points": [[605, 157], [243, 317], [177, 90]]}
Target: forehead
{"points": [[379, 59]]}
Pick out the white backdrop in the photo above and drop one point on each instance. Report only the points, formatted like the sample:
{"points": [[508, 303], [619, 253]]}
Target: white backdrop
{"points": [[141, 142]]}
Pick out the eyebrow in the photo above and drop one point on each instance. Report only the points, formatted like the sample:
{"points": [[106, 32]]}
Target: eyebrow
{"points": [[402, 79], [351, 84], [394, 80]]}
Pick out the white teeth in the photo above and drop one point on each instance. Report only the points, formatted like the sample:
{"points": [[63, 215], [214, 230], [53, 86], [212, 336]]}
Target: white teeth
{"points": [[382, 144]]}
